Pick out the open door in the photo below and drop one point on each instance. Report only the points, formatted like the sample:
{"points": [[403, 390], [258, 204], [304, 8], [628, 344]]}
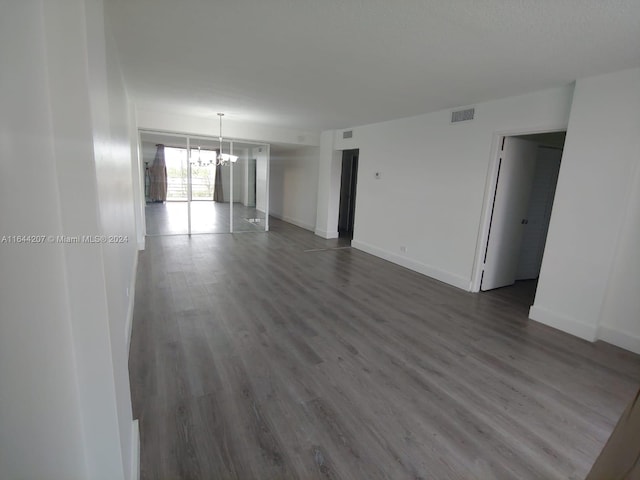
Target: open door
{"points": [[539, 213], [516, 169]]}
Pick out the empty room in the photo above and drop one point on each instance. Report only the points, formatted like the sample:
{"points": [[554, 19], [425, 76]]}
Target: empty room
{"points": [[295, 240]]}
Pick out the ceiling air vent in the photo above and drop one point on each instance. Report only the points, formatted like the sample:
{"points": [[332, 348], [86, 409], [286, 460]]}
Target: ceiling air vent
{"points": [[347, 134], [463, 115]]}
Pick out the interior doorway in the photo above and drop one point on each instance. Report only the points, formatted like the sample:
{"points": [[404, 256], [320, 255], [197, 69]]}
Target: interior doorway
{"points": [[520, 211], [348, 183]]}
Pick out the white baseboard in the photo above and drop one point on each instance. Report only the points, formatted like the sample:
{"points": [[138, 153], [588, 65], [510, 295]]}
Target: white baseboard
{"points": [[132, 298], [135, 451], [428, 270], [293, 221], [325, 234], [620, 338], [563, 322]]}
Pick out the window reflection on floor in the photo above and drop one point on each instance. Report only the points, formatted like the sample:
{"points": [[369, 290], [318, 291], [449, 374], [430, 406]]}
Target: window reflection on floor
{"points": [[171, 218]]}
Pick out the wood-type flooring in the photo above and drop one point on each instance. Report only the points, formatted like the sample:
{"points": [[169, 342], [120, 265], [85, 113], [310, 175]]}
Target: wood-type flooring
{"points": [[282, 355]]}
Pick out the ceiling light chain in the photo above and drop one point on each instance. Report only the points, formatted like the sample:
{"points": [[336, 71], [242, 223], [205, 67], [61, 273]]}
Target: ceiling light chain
{"points": [[223, 159]]}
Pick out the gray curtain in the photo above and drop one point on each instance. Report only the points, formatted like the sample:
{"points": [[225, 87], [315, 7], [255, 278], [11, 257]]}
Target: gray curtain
{"points": [[158, 177], [218, 195]]}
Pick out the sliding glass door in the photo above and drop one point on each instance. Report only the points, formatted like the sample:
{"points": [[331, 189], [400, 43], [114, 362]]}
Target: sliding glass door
{"points": [[203, 195], [209, 187], [166, 186]]}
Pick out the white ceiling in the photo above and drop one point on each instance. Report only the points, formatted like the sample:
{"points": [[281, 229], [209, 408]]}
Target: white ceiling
{"points": [[322, 64]]}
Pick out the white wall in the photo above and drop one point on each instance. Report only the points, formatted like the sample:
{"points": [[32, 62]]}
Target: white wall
{"points": [[240, 175], [65, 410], [138, 179], [232, 128], [294, 185], [250, 175], [262, 174], [41, 433], [620, 317], [433, 182], [329, 173], [594, 215], [115, 178], [239, 168]]}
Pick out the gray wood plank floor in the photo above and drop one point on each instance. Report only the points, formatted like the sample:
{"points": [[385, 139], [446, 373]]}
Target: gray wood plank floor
{"points": [[280, 355]]}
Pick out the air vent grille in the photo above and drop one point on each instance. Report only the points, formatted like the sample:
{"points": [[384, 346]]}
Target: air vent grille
{"points": [[463, 115], [347, 134]]}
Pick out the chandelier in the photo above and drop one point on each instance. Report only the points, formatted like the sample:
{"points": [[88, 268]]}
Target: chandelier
{"points": [[220, 159]]}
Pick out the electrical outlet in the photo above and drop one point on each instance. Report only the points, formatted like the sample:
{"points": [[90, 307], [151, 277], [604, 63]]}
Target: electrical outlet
{"points": [[403, 249]]}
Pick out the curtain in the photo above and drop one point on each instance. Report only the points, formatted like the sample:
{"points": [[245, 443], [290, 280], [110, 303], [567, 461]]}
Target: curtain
{"points": [[158, 177], [218, 195]]}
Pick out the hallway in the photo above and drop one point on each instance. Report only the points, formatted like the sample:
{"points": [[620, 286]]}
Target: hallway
{"points": [[285, 355]]}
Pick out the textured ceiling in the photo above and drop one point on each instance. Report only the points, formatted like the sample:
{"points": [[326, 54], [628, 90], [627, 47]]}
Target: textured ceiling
{"points": [[321, 64]]}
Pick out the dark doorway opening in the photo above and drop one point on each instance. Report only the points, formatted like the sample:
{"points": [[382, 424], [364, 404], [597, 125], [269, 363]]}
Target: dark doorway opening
{"points": [[348, 184]]}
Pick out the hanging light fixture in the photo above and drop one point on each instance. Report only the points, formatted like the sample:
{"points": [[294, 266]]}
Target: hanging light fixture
{"points": [[199, 157], [200, 162], [224, 158]]}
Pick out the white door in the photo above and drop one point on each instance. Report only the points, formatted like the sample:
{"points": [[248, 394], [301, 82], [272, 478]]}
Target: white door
{"points": [[508, 219], [539, 213]]}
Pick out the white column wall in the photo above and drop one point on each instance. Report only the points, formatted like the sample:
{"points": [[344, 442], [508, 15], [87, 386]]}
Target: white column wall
{"points": [[593, 214], [239, 175], [262, 172], [620, 317], [116, 214], [65, 410], [41, 433], [138, 180], [243, 157], [329, 172]]}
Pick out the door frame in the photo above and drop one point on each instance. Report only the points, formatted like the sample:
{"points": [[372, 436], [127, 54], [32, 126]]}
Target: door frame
{"points": [[353, 188], [489, 194]]}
